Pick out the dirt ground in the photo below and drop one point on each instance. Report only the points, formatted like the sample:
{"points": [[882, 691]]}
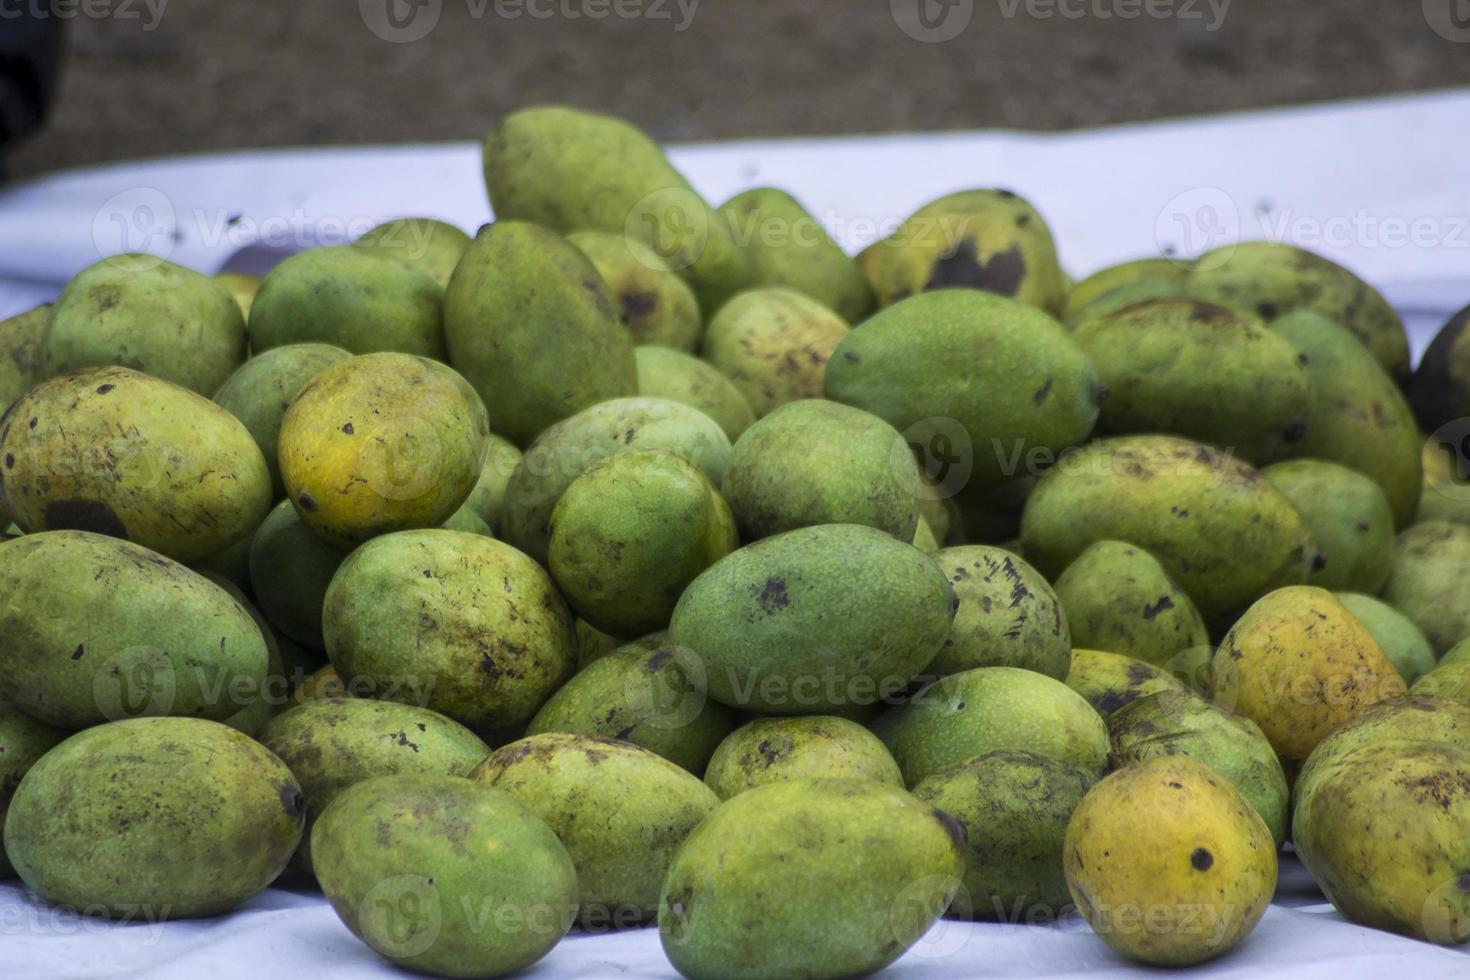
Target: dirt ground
{"points": [[156, 77]]}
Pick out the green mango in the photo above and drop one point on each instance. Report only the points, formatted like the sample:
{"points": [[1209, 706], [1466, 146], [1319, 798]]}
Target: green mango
{"points": [[773, 344], [140, 312], [1446, 493], [1430, 581], [1123, 297], [788, 247], [362, 300], [571, 170], [768, 750], [1009, 616], [1401, 641], [1118, 598], [817, 462], [1003, 383], [22, 353], [166, 818], [976, 711], [573, 782], [785, 626], [432, 246], [121, 453], [845, 910], [1412, 719], [1272, 279], [1155, 270], [1350, 519], [676, 376], [290, 569], [1223, 533], [515, 280], [443, 876], [459, 623], [655, 304], [23, 741], [98, 629], [631, 532], [1358, 418], [1447, 682], [488, 496]]}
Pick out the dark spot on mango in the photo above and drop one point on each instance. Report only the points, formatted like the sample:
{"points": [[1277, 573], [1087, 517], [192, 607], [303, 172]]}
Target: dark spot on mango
{"points": [[637, 305], [1164, 603], [84, 515], [961, 267], [1267, 311], [1295, 432], [1201, 859], [347, 429], [307, 501], [656, 661], [773, 595], [1042, 392], [78, 652], [104, 389], [291, 800]]}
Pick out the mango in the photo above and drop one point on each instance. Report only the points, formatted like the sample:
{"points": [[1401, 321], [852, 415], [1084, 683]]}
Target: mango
{"points": [[631, 532], [1153, 270], [573, 782], [130, 633], [1110, 680], [22, 357], [817, 462], [1008, 380], [459, 623], [1401, 641], [1418, 718], [1440, 389], [1192, 886], [434, 247], [443, 876], [120, 453], [1009, 616], [242, 287], [379, 443], [166, 818], [488, 496], [773, 344], [1446, 493], [1117, 597], [23, 741], [1350, 520], [1430, 581], [290, 569], [845, 910], [1223, 533], [676, 376], [768, 750], [803, 623], [654, 304], [362, 300], [1124, 296], [1449, 682]]}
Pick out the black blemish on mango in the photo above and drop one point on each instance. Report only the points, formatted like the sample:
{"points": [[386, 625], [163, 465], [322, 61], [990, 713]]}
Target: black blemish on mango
{"points": [[84, 515], [961, 267]]}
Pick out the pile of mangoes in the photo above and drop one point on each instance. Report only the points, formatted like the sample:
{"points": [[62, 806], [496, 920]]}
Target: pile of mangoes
{"points": [[639, 560]]}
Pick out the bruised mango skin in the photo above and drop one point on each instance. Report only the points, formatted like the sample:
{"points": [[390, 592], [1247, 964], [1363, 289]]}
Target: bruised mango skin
{"points": [[1417, 718], [382, 442], [121, 453], [676, 376], [132, 633], [1110, 681], [1009, 616], [168, 818], [656, 306], [767, 750], [773, 344], [1220, 530]]}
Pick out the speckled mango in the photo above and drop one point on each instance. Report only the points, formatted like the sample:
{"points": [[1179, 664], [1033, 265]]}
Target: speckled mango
{"points": [[120, 453], [1426, 718], [130, 632], [803, 623], [1401, 641], [676, 376], [768, 750], [847, 911], [574, 783], [166, 818], [1220, 530], [773, 344], [1430, 581], [1009, 616], [1002, 383], [1110, 680], [1350, 520], [22, 364], [459, 623], [654, 304], [432, 246], [23, 740], [382, 442]]}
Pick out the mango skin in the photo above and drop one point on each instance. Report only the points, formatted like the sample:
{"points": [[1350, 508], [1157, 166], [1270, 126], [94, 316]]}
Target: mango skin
{"points": [[648, 694], [120, 453], [566, 450], [362, 300], [1117, 597], [1430, 581], [1449, 681], [573, 782], [1358, 417], [1008, 375], [1009, 616], [1190, 887], [773, 344], [22, 366], [1440, 388], [790, 248], [768, 750], [290, 569], [413, 865], [676, 376], [1124, 296], [802, 623], [861, 907], [817, 462], [571, 170], [1385, 830], [1223, 533], [333, 743], [1417, 718], [1170, 723], [652, 301], [131, 633], [1445, 496], [141, 312], [1014, 806], [1200, 371], [432, 246], [1299, 664], [1150, 270], [976, 711], [382, 442], [1110, 681], [261, 389], [991, 240], [459, 623], [1351, 521], [23, 741], [631, 533], [166, 818], [1401, 641], [1273, 280], [242, 287], [487, 499]]}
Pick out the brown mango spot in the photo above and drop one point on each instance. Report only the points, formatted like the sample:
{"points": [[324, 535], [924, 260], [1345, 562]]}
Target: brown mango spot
{"points": [[292, 801], [1201, 859], [961, 267], [638, 305], [307, 501], [84, 515]]}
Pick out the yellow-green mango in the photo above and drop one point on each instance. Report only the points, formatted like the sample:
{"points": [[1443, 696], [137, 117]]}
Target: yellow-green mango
{"points": [[1110, 681], [1009, 616], [1430, 581], [242, 287], [23, 741], [1124, 296], [768, 750], [655, 304], [676, 376], [22, 359], [1401, 641], [488, 496], [1117, 597], [1350, 520], [1448, 681], [1426, 718], [1446, 493], [1151, 270], [433, 246], [773, 344], [121, 453]]}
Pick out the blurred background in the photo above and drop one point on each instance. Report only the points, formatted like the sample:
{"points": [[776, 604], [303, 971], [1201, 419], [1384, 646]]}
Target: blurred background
{"points": [[145, 78]]}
